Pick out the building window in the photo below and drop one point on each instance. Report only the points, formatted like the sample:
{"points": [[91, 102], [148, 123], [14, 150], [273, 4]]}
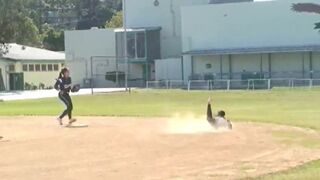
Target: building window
{"points": [[43, 67], [208, 66], [141, 45], [50, 68], [24, 67], [131, 45], [56, 67], [11, 68], [136, 45], [37, 67], [31, 67]]}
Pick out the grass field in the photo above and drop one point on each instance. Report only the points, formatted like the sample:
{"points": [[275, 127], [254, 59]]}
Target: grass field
{"points": [[298, 107], [290, 107]]}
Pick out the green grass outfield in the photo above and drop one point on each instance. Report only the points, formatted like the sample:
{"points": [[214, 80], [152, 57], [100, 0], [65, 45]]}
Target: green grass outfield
{"points": [[297, 107], [291, 107]]}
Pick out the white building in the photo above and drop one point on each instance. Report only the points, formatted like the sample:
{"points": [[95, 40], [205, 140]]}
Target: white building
{"points": [[154, 32], [82, 45], [207, 39], [266, 39], [25, 67]]}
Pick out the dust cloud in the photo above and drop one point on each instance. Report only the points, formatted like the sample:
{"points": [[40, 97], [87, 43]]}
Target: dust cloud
{"points": [[190, 124]]}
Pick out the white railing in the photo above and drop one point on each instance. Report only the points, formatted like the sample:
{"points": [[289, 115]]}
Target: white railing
{"points": [[250, 84]]}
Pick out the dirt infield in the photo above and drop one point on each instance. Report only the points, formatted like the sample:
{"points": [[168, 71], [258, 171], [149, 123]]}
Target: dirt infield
{"points": [[143, 148]]}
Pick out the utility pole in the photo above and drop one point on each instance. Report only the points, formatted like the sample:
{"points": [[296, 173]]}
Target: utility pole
{"points": [[124, 11]]}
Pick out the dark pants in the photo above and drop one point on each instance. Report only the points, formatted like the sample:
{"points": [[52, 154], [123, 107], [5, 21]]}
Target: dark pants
{"points": [[209, 115], [65, 98]]}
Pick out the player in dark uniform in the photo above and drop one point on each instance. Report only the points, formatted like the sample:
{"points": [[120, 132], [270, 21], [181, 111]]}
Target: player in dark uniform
{"points": [[219, 121], [64, 86]]}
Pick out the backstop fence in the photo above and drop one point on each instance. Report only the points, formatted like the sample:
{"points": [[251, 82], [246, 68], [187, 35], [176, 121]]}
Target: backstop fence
{"points": [[110, 71], [250, 84], [101, 72]]}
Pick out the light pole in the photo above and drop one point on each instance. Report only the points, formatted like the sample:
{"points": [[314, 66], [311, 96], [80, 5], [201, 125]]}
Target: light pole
{"points": [[124, 11]]}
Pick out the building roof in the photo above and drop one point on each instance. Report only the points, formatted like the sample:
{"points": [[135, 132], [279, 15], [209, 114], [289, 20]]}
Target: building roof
{"points": [[137, 29], [255, 50], [21, 52], [228, 1]]}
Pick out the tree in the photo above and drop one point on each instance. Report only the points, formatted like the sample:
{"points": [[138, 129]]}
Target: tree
{"points": [[15, 26], [309, 8], [58, 13], [115, 21], [53, 39], [68, 14], [26, 21], [92, 13]]}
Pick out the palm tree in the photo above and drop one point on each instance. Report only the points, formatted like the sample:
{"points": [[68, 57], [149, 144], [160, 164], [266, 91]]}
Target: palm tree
{"points": [[309, 8]]}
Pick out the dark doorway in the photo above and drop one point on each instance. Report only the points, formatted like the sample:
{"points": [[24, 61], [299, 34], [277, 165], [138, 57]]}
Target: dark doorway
{"points": [[16, 81]]}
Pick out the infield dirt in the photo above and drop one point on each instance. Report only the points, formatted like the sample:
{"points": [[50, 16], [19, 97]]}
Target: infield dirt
{"points": [[36, 148]]}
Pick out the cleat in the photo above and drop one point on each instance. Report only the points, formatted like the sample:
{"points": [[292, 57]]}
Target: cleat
{"points": [[60, 121], [71, 121]]}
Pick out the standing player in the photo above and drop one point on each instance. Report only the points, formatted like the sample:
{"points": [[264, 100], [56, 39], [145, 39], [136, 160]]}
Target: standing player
{"points": [[64, 86], [219, 121]]}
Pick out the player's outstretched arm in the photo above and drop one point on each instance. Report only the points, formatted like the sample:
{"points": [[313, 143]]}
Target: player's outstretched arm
{"points": [[209, 112]]}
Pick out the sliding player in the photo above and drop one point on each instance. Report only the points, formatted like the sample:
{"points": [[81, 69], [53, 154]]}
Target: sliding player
{"points": [[219, 121]]}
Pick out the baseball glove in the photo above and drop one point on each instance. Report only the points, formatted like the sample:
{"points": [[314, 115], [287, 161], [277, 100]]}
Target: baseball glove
{"points": [[75, 88]]}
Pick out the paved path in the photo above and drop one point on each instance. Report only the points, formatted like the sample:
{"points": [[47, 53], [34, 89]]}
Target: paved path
{"points": [[37, 94]]}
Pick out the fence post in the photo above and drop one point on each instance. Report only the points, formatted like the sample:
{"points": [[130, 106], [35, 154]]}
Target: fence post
{"points": [[248, 86], [212, 84], [167, 84], [310, 83], [91, 69], [117, 79], [269, 84], [208, 84], [290, 83], [189, 85], [228, 85], [253, 85], [147, 85]]}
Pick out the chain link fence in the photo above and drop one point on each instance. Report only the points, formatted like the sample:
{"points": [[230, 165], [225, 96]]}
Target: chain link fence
{"points": [[101, 72]]}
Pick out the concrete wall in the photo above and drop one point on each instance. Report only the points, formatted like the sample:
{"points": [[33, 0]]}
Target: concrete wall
{"points": [[219, 66], [316, 65], [143, 13], [239, 25], [283, 65], [168, 69], [187, 67], [81, 45], [136, 71]]}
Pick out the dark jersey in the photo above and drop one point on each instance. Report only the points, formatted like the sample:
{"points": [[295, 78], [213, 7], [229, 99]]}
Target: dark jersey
{"points": [[63, 84]]}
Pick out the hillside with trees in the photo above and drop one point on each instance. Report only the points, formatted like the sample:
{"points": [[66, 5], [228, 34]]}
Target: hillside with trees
{"points": [[41, 23]]}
